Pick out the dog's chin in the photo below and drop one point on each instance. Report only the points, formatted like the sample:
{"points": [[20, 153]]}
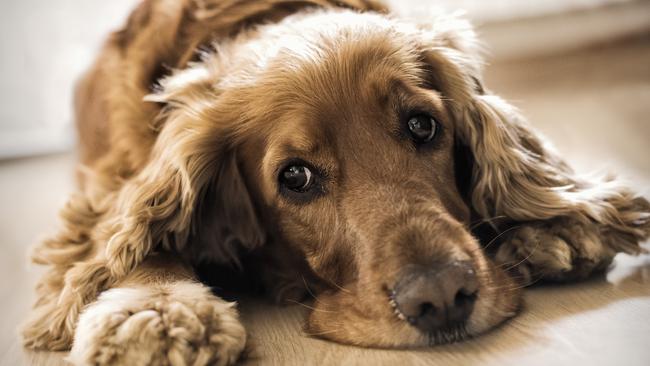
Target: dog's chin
{"points": [[370, 320]]}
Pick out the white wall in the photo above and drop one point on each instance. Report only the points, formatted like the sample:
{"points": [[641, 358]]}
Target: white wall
{"points": [[44, 45]]}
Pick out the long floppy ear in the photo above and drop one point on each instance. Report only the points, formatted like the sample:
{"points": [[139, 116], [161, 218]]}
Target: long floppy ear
{"points": [[515, 173], [190, 180]]}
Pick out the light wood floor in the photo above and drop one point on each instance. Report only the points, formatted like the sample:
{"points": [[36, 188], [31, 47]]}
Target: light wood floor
{"points": [[595, 105]]}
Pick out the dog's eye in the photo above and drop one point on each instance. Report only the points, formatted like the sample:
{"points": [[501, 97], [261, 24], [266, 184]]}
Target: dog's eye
{"points": [[422, 128], [297, 178]]}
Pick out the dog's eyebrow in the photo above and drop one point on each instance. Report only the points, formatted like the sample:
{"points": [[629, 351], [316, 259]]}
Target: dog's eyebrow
{"points": [[384, 90], [291, 148]]}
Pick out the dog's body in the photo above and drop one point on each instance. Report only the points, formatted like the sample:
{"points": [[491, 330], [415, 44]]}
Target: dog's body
{"points": [[322, 143]]}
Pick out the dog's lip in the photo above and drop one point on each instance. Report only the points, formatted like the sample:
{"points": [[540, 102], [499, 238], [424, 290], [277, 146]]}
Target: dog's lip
{"points": [[393, 304]]}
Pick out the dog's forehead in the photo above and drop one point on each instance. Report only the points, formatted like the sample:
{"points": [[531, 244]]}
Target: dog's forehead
{"points": [[319, 122], [316, 41], [348, 78]]}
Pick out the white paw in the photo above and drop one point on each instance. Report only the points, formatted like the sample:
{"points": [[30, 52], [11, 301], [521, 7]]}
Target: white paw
{"points": [[171, 324], [561, 249]]}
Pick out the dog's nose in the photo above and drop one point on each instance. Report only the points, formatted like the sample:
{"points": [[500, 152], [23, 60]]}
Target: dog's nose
{"points": [[437, 298]]}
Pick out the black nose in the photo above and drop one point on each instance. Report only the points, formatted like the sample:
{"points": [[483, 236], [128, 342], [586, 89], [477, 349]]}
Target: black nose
{"points": [[437, 298]]}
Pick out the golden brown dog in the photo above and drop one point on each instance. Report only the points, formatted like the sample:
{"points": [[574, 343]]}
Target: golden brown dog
{"points": [[314, 139]]}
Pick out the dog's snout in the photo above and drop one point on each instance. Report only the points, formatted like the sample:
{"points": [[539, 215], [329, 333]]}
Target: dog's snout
{"points": [[437, 298]]}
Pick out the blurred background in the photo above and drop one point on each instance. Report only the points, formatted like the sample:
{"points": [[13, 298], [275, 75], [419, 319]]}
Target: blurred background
{"points": [[579, 69]]}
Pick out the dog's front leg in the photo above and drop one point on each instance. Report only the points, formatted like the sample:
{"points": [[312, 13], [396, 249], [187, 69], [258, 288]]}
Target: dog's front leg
{"points": [[558, 249], [568, 248], [159, 315]]}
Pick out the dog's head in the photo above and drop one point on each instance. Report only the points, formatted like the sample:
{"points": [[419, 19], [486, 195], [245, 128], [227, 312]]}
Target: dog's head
{"points": [[363, 144]]}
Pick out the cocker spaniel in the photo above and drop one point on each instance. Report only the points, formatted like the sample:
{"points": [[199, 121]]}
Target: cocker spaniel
{"points": [[312, 144]]}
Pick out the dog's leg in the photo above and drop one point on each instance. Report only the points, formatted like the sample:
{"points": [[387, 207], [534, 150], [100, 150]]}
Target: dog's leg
{"points": [[560, 249], [566, 248], [159, 315]]}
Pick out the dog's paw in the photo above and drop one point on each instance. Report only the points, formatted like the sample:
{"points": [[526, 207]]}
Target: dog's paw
{"points": [[560, 249], [174, 324]]}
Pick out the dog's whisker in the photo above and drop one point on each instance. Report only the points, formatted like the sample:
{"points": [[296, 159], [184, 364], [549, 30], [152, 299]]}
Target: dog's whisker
{"points": [[536, 280], [311, 307], [500, 235], [484, 220], [525, 258], [520, 284], [481, 250], [341, 288], [509, 287], [307, 288]]}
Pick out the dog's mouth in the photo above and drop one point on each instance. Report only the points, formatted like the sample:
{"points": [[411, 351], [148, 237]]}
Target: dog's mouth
{"points": [[450, 332]]}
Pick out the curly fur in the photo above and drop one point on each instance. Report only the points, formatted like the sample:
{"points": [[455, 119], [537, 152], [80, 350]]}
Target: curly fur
{"points": [[190, 169]]}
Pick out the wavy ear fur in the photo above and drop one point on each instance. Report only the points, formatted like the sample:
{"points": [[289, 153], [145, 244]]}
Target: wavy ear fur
{"points": [[158, 205], [515, 173]]}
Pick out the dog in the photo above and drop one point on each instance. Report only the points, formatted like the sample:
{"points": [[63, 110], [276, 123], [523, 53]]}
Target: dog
{"points": [[317, 145]]}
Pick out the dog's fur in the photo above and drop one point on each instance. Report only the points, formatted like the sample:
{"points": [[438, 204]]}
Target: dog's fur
{"points": [[186, 174]]}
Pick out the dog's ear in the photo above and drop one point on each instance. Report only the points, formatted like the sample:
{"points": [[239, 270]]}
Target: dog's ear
{"points": [[226, 223], [191, 175], [514, 172]]}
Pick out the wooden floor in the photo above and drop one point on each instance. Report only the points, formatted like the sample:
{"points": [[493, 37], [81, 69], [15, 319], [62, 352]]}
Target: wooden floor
{"points": [[595, 105]]}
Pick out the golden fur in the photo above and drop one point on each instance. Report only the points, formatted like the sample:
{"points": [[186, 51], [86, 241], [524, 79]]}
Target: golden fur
{"points": [[191, 168]]}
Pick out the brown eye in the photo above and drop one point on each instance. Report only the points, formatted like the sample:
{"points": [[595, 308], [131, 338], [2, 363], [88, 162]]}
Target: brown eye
{"points": [[422, 128], [297, 178]]}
